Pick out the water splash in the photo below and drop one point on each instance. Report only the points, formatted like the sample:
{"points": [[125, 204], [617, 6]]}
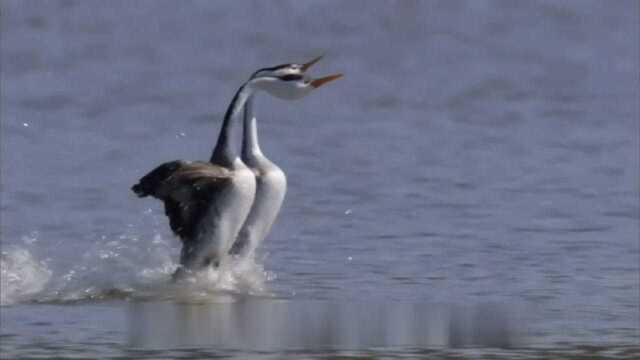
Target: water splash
{"points": [[123, 268], [21, 276]]}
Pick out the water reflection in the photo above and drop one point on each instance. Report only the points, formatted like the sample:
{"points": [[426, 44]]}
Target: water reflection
{"points": [[259, 324]]}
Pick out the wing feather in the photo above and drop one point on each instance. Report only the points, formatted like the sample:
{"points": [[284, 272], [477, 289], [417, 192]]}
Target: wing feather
{"points": [[187, 190]]}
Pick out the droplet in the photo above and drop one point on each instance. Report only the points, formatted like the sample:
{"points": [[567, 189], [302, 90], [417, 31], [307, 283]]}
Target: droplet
{"points": [[349, 211], [349, 258], [25, 124]]}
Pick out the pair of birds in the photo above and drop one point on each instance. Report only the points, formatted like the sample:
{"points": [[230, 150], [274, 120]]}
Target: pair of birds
{"points": [[226, 206]]}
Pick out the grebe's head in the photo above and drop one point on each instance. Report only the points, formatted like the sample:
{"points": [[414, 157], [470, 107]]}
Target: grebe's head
{"points": [[289, 81]]}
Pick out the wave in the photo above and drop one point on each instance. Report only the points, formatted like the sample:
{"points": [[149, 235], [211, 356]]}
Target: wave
{"points": [[121, 270]]}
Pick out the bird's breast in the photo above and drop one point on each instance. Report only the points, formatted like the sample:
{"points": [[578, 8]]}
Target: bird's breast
{"points": [[271, 187], [244, 182], [271, 180]]}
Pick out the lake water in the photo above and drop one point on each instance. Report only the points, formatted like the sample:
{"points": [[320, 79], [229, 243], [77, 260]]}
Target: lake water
{"points": [[478, 166]]}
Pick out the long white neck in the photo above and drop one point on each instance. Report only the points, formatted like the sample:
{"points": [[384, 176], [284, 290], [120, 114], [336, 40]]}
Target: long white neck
{"points": [[250, 144]]}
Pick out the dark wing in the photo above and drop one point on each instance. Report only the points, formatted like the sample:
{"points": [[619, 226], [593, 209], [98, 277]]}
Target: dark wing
{"points": [[187, 190], [152, 183]]}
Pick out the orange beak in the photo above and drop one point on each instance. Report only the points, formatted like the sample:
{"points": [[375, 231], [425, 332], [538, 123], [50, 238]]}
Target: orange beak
{"points": [[310, 63], [323, 80]]}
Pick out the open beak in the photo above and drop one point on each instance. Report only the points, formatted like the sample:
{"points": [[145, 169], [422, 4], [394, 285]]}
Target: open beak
{"points": [[310, 63], [323, 80], [320, 81]]}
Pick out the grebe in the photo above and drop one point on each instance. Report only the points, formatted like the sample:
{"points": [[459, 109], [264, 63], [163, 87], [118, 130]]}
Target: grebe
{"points": [[208, 202], [271, 182]]}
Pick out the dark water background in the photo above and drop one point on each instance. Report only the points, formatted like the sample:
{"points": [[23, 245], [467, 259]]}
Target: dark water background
{"points": [[475, 152]]}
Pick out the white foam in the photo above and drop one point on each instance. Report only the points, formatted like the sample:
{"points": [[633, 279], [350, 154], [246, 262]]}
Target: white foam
{"points": [[21, 276], [213, 284], [123, 268]]}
